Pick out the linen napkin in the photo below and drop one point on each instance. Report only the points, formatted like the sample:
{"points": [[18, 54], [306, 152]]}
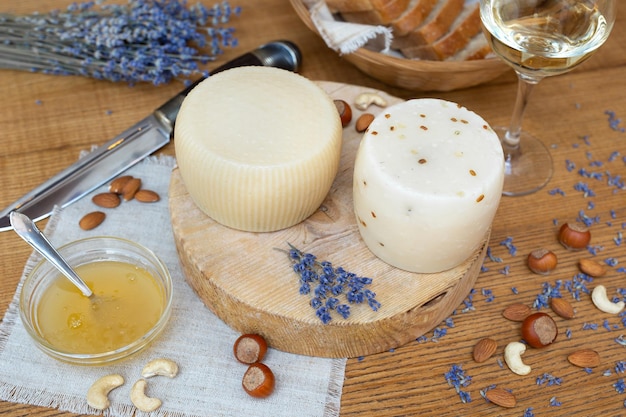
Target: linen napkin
{"points": [[209, 380], [346, 37]]}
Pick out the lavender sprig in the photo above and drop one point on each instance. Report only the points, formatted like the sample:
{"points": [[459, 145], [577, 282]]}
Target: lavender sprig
{"points": [[143, 41], [326, 284]]}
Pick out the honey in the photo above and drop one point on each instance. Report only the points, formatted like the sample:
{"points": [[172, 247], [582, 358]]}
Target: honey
{"points": [[127, 302]]}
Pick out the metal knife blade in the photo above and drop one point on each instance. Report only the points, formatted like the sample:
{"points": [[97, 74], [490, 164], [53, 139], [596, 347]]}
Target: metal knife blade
{"points": [[132, 145]]}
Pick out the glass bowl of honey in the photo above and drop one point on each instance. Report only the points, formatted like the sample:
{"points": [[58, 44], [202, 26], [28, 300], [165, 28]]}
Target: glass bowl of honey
{"points": [[130, 306]]}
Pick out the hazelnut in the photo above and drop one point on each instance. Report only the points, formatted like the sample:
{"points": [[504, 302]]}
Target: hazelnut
{"points": [[574, 236], [542, 261], [258, 381], [250, 348], [345, 112], [539, 330]]}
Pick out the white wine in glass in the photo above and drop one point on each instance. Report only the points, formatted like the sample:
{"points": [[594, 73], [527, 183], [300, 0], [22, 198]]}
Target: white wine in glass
{"points": [[539, 38]]}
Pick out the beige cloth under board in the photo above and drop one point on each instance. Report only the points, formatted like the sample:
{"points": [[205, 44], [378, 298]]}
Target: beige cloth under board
{"points": [[209, 381]]}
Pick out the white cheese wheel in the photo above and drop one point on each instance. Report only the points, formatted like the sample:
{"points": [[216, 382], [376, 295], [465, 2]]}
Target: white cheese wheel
{"points": [[258, 147], [427, 182]]}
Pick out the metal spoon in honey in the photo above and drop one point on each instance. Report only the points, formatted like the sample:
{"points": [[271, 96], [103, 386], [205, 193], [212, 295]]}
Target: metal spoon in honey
{"points": [[27, 230]]}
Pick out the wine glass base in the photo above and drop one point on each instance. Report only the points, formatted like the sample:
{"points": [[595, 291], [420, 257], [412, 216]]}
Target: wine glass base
{"points": [[528, 169]]}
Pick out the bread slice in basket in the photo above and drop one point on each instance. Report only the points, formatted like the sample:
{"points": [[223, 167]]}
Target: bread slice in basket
{"points": [[463, 29], [476, 48], [340, 6], [434, 27], [435, 30], [416, 12], [369, 12]]}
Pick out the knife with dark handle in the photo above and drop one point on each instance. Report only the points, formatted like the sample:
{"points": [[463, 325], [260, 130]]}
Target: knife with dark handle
{"points": [[134, 144]]}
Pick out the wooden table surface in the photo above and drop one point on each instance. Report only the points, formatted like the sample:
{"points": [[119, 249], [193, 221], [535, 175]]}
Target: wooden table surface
{"points": [[46, 121]]}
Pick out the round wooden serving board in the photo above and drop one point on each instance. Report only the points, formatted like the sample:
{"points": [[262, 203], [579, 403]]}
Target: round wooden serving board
{"points": [[251, 286]]}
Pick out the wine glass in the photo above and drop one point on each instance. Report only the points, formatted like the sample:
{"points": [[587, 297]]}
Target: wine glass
{"points": [[539, 38]]}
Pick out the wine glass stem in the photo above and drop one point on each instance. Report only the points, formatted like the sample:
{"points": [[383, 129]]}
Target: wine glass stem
{"points": [[511, 140]]}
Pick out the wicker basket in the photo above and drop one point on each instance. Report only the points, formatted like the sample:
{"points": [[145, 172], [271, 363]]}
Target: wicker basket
{"points": [[418, 75]]}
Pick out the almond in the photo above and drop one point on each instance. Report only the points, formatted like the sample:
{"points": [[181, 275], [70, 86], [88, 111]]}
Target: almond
{"points": [[91, 220], [130, 188], [147, 196], [501, 397], [106, 200], [584, 358], [516, 312], [591, 267], [117, 185], [484, 349], [562, 307], [363, 122]]}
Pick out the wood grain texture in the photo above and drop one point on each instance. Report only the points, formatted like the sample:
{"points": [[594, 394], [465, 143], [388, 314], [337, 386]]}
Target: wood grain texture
{"points": [[39, 140], [250, 285]]}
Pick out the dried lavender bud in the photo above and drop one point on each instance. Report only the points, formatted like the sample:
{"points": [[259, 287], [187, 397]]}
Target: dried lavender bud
{"points": [[343, 310], [332, 303], [327, 283]]}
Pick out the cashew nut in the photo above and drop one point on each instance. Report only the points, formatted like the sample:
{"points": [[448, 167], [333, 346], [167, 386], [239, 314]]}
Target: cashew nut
{"points": [[601, 300], [513, 358], [141, 400], [161, 366], [364, 100], [97, 395]]}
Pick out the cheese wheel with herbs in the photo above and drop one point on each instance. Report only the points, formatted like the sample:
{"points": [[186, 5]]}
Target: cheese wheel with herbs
{"points": [[258, 147], [428, 179]]}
